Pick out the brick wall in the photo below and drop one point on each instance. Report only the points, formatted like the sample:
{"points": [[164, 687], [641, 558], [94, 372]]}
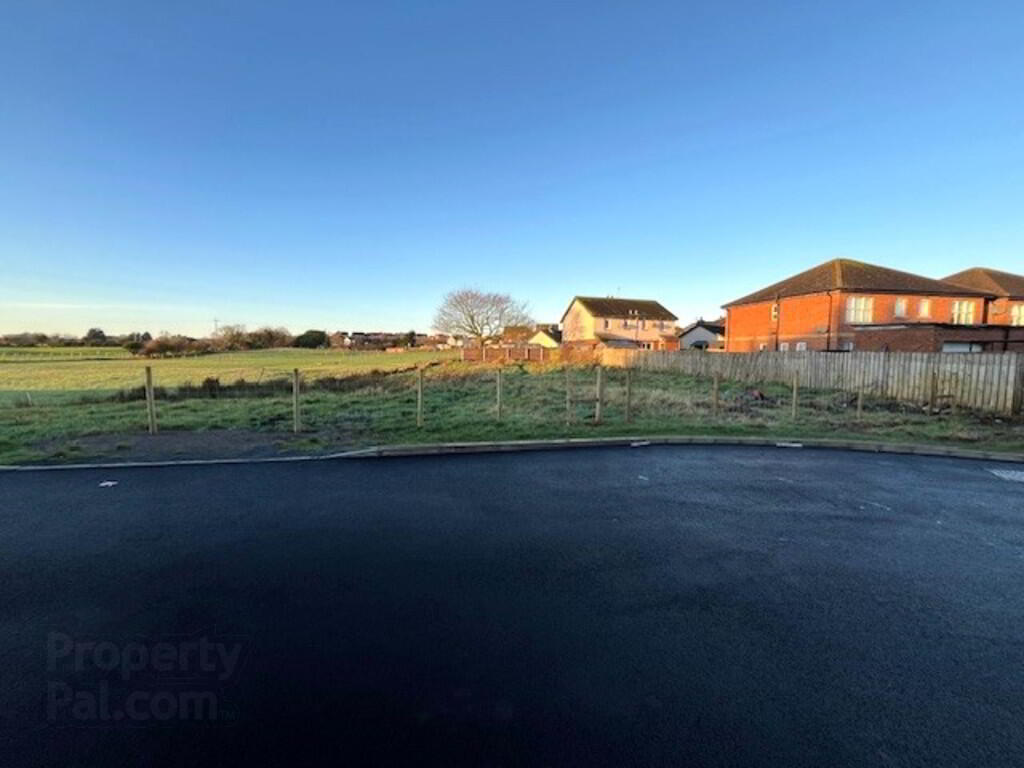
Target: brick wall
{"points": [[1000, 311], [930, 338]]}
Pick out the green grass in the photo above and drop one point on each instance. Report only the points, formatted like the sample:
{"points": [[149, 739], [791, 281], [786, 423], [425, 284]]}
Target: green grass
{"points": [[58, 380], [460, 406], [28, 354]]}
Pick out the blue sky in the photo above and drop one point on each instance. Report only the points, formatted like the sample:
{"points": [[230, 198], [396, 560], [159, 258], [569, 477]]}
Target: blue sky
{"points": [[342, 165]]}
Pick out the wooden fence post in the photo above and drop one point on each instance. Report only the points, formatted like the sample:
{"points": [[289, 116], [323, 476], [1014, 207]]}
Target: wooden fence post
{"points": [[499, 395], [629, 395], [419, 397], [568, 398], [933, 391], [150, 401], [599, 398], [715, 386], [296, 422], [796, 393]]}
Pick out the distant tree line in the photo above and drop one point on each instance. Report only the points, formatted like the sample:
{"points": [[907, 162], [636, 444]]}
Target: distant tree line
{"points": [[238, 338], [94, 337], [227, 338]]}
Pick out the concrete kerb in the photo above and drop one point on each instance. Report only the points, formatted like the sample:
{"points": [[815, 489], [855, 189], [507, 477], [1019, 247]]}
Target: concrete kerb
{"points": [[441, 449], [437, 449]]}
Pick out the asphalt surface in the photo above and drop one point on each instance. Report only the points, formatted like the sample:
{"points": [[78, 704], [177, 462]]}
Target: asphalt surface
{"points": [[649, 606]]}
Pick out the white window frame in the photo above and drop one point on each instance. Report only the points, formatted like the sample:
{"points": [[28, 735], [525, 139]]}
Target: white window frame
{"points": [[801, 346], [607, 323], [924, 308], [784, 346], [963, 312], [775, 312], [899, 307], [1017, 314], [860, 309], [762, 347], [962, 347]]}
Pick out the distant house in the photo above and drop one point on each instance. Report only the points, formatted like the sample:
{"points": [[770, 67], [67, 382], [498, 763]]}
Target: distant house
{"points": [[546, 336], [339, 339], [637, 323], [703, 334]]}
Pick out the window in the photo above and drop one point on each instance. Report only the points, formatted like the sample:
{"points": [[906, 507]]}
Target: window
{"points": [[625, 323], [961, 346], [762, 347], [784, 346], [899, 308], [1017, 314], [846, 346], [775, 312], [661, 325], [606, 323], [963, 312], [924, 308], [859, 309], [801, 346], [643, 325]]}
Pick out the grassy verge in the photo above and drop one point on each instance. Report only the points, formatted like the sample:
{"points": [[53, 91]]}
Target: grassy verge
{"points": [[459, 405]]}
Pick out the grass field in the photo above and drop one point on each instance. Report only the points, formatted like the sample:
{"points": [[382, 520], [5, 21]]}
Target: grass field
{"points": [[65, 375], [459, 402], [19, 354]]}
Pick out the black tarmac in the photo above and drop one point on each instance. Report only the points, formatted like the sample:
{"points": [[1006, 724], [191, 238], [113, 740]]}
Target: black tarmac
{"points": [[646, 606]]}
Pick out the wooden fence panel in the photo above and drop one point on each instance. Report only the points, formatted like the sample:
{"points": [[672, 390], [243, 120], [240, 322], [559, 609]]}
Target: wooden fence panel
{"points": [[990, 381]]}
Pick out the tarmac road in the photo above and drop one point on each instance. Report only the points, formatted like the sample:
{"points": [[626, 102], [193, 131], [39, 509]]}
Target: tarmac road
{"points": [[649, 606]]}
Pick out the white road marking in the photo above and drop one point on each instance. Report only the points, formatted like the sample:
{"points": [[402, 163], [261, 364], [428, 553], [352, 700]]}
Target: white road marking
{"points": [[1013, 475]]}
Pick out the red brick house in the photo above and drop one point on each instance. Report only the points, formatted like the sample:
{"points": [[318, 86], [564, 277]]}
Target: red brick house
{"points": [[1007, 308], [832, 305]]}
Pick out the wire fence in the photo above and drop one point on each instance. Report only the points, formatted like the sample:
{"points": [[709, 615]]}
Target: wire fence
{"points": [[538, 398]]}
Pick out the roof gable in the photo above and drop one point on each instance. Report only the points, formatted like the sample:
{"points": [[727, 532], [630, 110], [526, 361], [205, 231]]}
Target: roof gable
{"points": [[552, 333], [644, 309], [992, 281], [850, 275], [714, 326]]}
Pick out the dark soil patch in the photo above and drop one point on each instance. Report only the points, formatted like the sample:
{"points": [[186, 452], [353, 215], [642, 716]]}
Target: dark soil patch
{"points": [[174, 445]]}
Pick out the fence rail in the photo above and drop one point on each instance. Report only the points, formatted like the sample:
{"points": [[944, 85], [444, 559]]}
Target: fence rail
{"points": [[534, 354], [984, 381]]}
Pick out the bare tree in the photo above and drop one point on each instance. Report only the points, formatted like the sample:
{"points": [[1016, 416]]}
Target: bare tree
{"points": [[230, 337], [479, 315]]}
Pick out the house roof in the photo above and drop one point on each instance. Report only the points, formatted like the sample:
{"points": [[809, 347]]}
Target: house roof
{"points": [[992, 281], [850, 275], [715, 326], [615, 341], [553, 333], [645, 309]]}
